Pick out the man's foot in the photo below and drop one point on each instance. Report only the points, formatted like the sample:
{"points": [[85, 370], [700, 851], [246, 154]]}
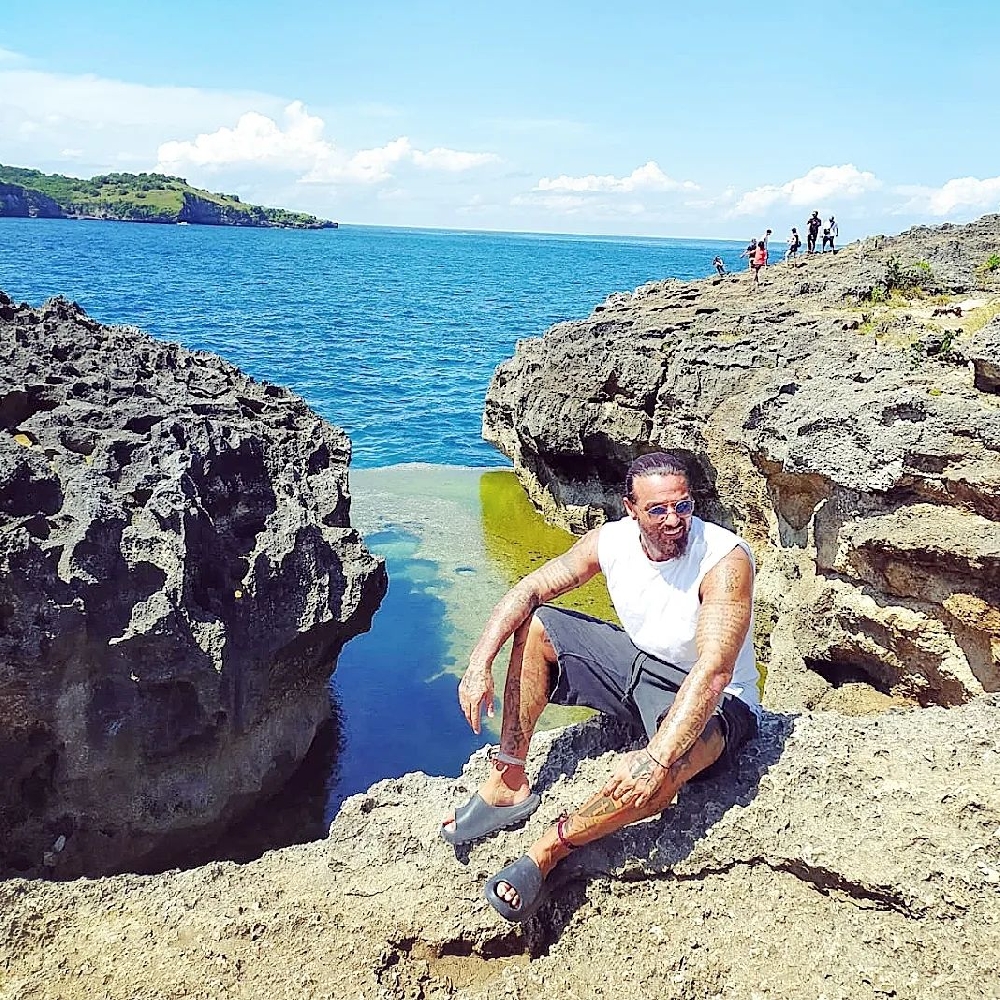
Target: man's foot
{"points": [[504, 799], [517, 891]]}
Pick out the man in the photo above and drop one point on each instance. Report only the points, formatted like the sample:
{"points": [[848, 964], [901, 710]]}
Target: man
{"points": [[830, 233], [719, 265], [793, 245], [813, 226], [765, 239], [683, 669]]}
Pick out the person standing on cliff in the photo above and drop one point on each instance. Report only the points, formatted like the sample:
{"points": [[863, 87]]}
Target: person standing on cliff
{"points": [[682, 669], [794, 243], [812, 231], [830, 233], [758, 263]]}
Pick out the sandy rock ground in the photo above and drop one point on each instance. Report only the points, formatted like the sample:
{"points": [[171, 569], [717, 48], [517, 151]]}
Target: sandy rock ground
{"points": [[845, 858]]}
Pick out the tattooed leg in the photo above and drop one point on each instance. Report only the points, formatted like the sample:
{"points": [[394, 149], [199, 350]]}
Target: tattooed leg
{"points": [[601, 814], [525, 695]]}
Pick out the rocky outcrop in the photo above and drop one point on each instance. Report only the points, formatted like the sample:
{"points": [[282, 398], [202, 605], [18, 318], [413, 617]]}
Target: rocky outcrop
{"points": [[17, 202], [844, 418], [850, 858], [205, 212], [178, 574]]}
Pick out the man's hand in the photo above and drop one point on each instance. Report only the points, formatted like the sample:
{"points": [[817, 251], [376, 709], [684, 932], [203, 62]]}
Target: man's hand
{"points": [[636, 779], [475, 692]]}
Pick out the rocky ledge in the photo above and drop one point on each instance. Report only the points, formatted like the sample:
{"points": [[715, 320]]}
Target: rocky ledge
{"points": [[845, 418], [178, 574], [847, 858]]}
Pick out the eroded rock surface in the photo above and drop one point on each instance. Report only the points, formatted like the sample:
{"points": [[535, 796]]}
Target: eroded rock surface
{"points": [[178, 574], [845, 419], [855, 859]]}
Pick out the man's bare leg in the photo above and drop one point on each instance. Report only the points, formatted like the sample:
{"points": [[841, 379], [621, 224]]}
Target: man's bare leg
{"points": [[601, 814], [525, 695]]}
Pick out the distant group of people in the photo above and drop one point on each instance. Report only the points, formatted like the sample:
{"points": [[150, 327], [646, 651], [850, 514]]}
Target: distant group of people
{"points": [[830, 233], [757, 251]]}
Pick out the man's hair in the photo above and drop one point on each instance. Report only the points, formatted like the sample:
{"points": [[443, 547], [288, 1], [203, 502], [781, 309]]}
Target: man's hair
{"points": [[656, 463]]}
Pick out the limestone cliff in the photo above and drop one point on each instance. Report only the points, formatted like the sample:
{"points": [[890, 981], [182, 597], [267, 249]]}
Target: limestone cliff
{"points": [[853, 859], [178, 574], [845, 418], [17, 202]]}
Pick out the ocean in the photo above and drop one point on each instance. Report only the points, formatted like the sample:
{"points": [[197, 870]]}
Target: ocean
{"points": [[393, 334]]}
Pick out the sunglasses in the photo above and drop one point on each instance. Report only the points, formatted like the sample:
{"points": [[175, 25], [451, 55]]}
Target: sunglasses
{"points": [[682, 508]]}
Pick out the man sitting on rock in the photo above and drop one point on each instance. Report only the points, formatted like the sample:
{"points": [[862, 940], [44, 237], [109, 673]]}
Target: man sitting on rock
{"points": [[682, 668]]}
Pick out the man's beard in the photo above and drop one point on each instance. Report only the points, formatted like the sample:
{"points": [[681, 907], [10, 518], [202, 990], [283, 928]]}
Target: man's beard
{"points": [[660, 549]]}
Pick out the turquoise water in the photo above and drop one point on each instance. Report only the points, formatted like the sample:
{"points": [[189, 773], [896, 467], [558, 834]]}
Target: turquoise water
{"points": [[393, 334]]}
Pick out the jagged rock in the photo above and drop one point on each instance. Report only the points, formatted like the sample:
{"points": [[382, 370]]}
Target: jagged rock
{"points": [[849, 858], [853, 442], [178, 574]]}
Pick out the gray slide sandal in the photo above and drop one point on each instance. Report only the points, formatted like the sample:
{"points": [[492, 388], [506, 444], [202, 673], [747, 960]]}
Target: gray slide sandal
{"points": [[477, 819]]}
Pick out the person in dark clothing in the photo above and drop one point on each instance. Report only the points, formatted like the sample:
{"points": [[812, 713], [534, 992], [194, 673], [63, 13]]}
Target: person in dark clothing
{"points": [[794, 243], [719, 266], [813, 228]]}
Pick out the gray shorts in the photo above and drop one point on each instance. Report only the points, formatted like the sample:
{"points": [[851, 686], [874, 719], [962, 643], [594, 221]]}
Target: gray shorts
{"points": [[600, 668]]}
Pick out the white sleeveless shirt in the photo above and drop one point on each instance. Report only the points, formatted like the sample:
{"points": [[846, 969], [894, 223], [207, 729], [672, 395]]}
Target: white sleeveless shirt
{"points": [[658, 603]]}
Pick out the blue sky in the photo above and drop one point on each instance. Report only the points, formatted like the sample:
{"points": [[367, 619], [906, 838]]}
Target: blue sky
{"points": [[713, 120]]}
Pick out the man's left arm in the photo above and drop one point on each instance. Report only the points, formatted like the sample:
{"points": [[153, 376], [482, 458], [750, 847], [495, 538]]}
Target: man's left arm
{"points": [[723, 621]]}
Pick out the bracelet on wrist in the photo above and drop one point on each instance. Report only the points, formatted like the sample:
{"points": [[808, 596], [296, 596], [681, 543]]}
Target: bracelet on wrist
{"points": [[653, 759]]}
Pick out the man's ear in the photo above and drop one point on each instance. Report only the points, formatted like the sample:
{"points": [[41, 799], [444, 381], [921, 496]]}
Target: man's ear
{"points": [[630, 508]]}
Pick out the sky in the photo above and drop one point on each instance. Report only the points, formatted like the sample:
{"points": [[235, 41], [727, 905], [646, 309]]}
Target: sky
{"points": [[676, 119]]}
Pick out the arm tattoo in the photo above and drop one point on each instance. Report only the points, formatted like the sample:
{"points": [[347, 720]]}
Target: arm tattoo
{"points": [[723, 621], [603, 805], [564, 573], [642, 766]]}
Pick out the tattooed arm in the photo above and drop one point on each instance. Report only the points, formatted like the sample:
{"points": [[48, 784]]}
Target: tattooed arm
{"points": [[723, 621], [564, 573], [726, 604]]}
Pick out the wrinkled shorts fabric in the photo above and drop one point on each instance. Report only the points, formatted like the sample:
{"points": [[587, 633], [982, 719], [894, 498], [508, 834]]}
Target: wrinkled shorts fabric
{"points": [[600, 667]]}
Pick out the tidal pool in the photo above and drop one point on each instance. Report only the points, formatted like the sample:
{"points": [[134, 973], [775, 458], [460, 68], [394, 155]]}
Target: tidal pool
{"points": [[454, 540]]}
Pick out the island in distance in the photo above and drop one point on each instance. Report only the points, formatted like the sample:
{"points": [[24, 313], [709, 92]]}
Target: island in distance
{"points": [[26, 193]]}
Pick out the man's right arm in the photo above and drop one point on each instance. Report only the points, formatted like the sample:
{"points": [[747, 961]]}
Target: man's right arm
{"points": [[558, 576]]}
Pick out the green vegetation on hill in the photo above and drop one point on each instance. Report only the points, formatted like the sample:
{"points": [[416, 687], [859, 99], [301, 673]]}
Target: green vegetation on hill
{"points": [[149, 198]]}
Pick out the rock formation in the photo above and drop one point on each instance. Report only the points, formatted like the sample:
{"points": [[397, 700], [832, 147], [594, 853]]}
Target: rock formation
{"points": [[17, 202], [845, 418], [178, 574], [852, 859]]}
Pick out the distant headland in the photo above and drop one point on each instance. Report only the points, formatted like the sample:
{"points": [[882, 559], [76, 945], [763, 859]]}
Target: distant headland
{"points": [[144, 197]]}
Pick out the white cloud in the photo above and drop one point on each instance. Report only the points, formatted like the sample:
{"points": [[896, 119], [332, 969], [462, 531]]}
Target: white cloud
{"points": [[817, 186], [107, 122], [648, 177], [960, 193], [255, 139], [298, 144], [452, 160]]}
